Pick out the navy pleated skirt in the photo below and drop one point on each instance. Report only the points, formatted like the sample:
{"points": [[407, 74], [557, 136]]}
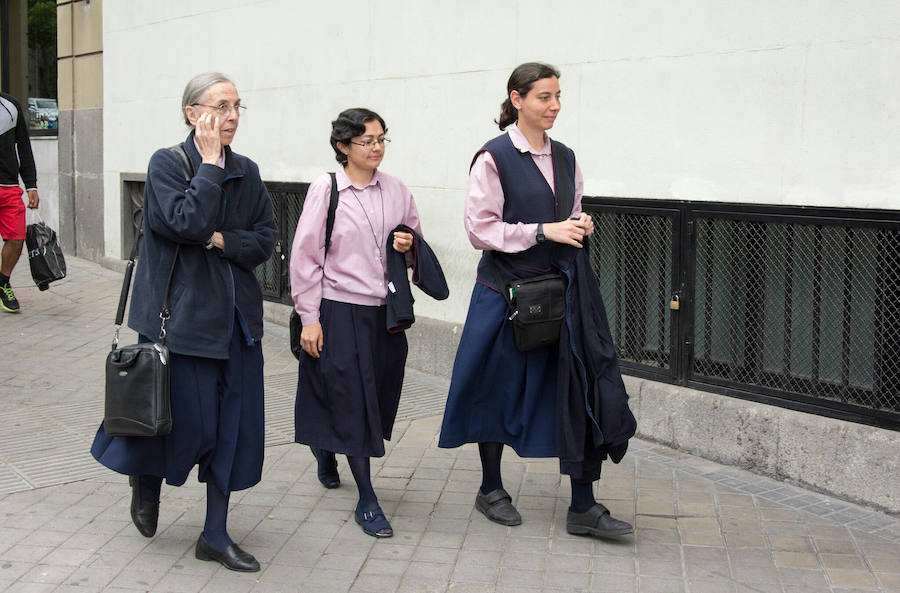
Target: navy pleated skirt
{"points": [[347, 398], [217, 423], [497, 393]]}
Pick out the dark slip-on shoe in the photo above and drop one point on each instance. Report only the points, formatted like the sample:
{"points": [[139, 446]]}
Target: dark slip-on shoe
{"points": [[497, 506], [144, 515], [596, 521], [326, 471], [232, 558], [374, 522]]}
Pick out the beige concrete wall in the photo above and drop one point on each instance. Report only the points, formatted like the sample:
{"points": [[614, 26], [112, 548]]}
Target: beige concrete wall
{"points": [[18, 49], [80, 95]]}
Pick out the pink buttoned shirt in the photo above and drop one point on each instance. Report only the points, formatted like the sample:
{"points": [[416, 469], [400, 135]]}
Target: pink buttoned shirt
{"points": [[484, 199], [355, 270]]}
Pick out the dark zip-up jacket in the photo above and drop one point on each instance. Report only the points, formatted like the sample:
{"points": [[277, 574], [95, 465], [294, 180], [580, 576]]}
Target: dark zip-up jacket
{"points": [[208, 285], [591, 401], [426, 274], [16, 158]]}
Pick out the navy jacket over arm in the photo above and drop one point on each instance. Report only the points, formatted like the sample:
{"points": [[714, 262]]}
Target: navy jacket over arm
{"points": [[593, 419], [427, 275], [208, 284]]}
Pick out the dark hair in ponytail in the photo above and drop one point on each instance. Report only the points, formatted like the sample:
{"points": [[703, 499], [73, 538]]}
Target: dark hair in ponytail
{"points": [[521, 80]]}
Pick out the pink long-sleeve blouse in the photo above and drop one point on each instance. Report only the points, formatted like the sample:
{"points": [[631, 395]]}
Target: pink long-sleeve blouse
{"points": [[355, 270], [484, 199]]}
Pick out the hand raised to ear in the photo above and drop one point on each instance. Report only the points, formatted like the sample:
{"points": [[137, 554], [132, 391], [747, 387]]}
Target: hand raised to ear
{"points": [[206, 132]]}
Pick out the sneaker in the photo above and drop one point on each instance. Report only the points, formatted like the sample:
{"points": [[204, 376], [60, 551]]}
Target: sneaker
{"points": [[8, 299]]}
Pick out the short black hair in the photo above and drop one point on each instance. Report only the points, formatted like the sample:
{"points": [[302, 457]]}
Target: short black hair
{"points": [[349, 124]]}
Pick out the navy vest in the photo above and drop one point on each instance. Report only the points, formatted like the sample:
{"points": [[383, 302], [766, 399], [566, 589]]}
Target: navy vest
{"points": [[527, 198]]}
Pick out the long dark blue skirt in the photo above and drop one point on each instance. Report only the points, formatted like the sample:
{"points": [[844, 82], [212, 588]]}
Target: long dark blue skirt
{"points": [[217, 422], [347, 398], [497, 393]]}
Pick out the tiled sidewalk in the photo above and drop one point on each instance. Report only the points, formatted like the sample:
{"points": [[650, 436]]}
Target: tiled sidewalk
{"points": [[700, 526]]}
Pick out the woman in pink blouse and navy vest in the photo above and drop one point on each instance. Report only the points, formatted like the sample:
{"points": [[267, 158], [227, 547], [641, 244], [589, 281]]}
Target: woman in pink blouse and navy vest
{"points": [[351, 368], [500, 395]]}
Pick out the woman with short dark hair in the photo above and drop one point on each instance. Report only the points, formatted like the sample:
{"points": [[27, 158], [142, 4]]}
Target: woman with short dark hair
{"points": [[214, 228], [351, 368], [500, 395]]}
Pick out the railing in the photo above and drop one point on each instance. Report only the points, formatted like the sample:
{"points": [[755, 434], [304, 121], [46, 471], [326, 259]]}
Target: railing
{"points": [[793, 306]]}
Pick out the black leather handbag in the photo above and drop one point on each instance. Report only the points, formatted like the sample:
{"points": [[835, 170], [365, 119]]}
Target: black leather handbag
{"points": [[138, 402], [537, 307]]}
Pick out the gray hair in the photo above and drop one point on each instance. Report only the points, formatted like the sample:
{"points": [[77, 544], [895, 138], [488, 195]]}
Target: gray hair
{"points": [[197, 86]]}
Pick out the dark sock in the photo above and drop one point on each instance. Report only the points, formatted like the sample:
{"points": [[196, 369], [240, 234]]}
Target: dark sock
{"points": [[150, 487], [582, 495], [359, 467], [216, 516], [4, 280], [490, 466]]}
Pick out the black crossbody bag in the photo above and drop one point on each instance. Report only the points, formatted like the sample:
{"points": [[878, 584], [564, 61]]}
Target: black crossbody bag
{"points": [[295, 325], [138, 401], [537, 305]]}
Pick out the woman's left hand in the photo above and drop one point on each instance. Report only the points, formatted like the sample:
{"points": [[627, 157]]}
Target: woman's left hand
{"points": [[588, 222], [403, 241]]}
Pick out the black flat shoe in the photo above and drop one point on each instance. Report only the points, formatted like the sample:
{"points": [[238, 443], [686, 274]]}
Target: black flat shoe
{"points": [[327, 468], [596, 521], [144, 515], [497, 506], [233, 558]]}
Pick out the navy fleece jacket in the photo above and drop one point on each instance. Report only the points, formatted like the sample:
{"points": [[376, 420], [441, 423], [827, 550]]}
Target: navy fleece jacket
{"points": [[208, 284]]}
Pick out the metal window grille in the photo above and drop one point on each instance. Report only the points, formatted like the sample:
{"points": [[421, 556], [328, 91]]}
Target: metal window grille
{"points": [[632, 258], [796, 307], [287, 203]]}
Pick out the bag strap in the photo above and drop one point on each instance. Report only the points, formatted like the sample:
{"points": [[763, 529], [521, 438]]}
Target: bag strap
{"points": [[332, 207], [164, 314], [561, 177], [504, 290]]}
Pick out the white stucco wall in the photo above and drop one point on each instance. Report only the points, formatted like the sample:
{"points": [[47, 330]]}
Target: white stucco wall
{"points": [[760, 101], [46, 161]]}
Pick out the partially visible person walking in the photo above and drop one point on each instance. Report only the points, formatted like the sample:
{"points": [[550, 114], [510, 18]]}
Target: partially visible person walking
{"points": [[221, 223], [351, 368], [565, 400], [16, 160]]}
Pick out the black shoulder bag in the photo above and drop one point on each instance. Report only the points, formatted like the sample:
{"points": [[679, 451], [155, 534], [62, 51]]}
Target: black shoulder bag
{"points": [[138, 401], [537, 305], [296, 327]]}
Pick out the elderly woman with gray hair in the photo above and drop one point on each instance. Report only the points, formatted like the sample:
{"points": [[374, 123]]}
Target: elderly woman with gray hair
{"points": [[216, 228]]}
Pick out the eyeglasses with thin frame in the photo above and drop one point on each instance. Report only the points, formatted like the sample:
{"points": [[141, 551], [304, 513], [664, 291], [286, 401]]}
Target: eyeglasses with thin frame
{"points": [[370, 144], [224, 108]]}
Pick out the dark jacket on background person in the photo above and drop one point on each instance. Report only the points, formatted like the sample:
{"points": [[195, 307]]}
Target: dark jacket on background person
{"points": [[208, 285], [16, 157], [593, 419], [427, 275]]}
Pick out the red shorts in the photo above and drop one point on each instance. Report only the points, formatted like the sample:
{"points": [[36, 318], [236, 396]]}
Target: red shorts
{"points": [[12, 213]]}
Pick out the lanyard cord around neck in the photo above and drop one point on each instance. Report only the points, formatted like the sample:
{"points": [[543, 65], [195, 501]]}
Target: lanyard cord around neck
{"points": [[378, 244]]}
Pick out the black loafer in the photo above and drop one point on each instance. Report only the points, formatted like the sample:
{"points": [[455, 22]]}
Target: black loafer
{"points": [[233, 558], [327, 467], [596, 521], [497, 506], [144, 515]]}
